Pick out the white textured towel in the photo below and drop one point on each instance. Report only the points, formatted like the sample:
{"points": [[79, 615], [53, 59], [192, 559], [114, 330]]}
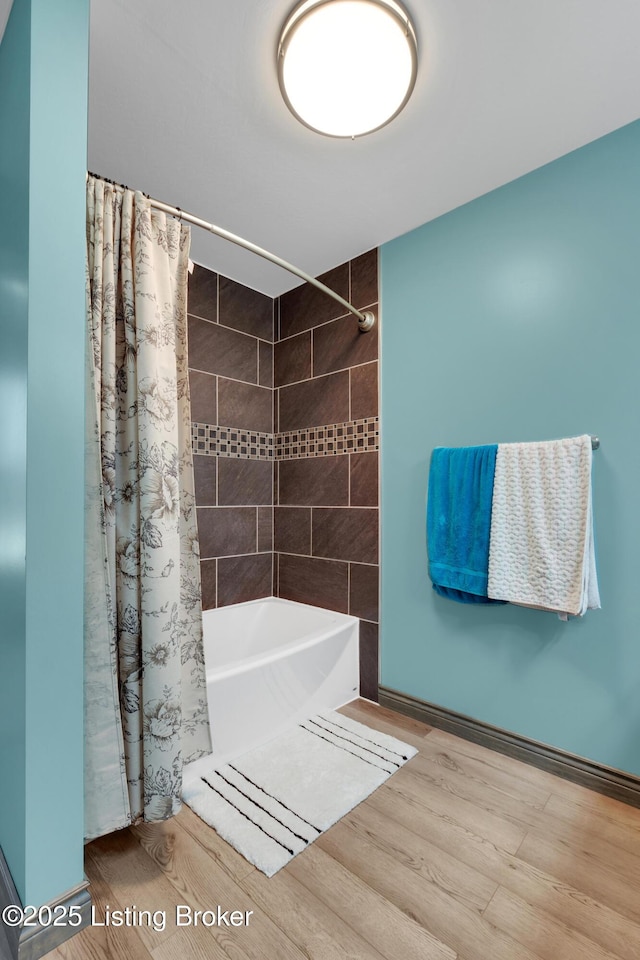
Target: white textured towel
{"points": [[541, 551]]}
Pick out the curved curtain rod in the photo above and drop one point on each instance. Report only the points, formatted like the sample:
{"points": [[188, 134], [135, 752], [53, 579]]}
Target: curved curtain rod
{"points": [[366, 319]]}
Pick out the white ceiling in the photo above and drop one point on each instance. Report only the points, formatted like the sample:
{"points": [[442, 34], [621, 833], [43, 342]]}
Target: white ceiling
{"points": [[185, 105]]}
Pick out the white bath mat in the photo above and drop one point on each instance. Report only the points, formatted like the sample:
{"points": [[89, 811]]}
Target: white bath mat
{"points": [[274, 801]]}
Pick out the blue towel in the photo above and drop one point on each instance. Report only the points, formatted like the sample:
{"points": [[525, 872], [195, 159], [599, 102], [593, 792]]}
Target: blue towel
{"points": [[459, 521]]}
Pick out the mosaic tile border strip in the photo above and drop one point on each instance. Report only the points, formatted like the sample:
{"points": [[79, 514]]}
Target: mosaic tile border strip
{"points": [[231, 442], [353, 436]]}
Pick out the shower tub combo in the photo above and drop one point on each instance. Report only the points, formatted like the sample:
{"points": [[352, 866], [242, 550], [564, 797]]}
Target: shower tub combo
{"points": [[270, 664]]}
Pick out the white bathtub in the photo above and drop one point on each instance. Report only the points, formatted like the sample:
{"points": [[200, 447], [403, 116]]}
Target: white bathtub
{"points": [[271, 663]]}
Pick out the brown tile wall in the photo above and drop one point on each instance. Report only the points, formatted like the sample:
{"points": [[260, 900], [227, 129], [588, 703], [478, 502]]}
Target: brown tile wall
{"points": [[231, 332], [304, 529], [325, 532]]}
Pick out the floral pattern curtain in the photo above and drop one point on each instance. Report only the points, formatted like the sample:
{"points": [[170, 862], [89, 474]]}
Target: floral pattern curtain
{"points": [[145, 703]]}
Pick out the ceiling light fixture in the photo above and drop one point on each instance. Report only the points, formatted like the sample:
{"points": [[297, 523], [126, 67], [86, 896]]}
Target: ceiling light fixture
{"points": [[347, 67]]}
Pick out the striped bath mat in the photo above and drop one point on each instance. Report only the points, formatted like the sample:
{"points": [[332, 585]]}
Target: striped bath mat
{"points": [[274, 801]]}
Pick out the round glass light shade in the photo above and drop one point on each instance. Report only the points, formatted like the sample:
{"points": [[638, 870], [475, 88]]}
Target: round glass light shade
{"points": [[347, 67]]}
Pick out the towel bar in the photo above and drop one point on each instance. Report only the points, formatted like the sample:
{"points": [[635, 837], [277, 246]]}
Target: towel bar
{"points": [[595, 443]]}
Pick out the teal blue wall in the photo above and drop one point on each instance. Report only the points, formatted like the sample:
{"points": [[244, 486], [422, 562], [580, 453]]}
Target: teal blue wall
{"points": [[14, 303], [43, 123], [517, 317]]}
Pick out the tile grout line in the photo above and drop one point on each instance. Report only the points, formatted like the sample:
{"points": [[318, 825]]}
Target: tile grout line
{"points": [[293, 458], [273, 529], [331, 373], [236, 556], [317, 506], [317, 426], [273, 355], [303, 556], [223, 376], [350, 417], [240, 506], [354, 421], [296, 457], [323, 506], [267, 434], [324, 323], [243, 456], [225, 326]]}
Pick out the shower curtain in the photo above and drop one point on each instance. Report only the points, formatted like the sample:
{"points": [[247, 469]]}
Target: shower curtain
{"points": [[145, 697]]}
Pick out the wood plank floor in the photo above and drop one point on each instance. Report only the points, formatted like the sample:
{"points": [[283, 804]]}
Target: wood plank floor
{"points": [[464, 854]]}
